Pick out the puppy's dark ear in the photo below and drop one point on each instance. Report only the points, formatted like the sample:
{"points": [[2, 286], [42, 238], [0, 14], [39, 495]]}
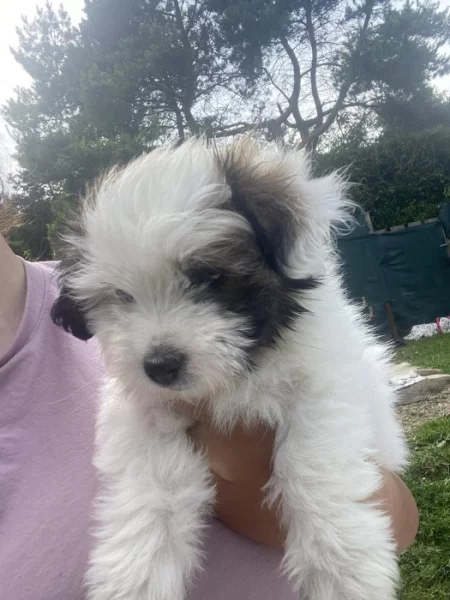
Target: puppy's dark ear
{"points": [[263, 194], [66, 313]]}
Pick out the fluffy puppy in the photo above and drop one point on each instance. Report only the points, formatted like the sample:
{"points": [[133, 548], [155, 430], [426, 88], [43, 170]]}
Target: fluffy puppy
{"points": [[209, 274]]}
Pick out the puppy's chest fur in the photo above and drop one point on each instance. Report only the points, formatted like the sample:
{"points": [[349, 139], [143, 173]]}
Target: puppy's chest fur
{"points": [[265, 396]]}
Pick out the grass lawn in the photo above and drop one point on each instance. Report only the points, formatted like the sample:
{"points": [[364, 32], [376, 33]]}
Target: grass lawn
{"points": [[426, 566], [428, 352]]}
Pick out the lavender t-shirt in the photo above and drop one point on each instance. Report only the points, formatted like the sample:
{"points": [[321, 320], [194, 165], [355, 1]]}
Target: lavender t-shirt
{"points": [[48, 390]]}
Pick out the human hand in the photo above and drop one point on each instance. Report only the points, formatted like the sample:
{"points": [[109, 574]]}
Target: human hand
{"points": [[396, 500], [241, 465]]}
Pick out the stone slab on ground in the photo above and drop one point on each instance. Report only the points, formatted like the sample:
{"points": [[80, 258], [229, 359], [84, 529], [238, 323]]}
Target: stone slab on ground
{"points": [[424, 371], [423, 395], [421, 390], [415, 384], [404, 375]]}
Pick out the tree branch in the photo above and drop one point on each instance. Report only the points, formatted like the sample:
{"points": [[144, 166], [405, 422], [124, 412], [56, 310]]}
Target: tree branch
{"points": [[276, 86], [313, 137], [294, 98], [192, 19], [232, 130], [189, 92], [314, 61]]}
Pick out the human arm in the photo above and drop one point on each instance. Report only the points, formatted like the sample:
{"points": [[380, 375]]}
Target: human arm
{"points": [[241, 463]]}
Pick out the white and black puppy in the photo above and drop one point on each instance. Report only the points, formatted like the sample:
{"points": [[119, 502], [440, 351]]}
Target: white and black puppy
{"points": [[209, 274]]}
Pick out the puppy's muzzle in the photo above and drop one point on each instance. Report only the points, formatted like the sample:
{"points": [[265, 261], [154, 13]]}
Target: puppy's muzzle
{"points": [[164, 365]]}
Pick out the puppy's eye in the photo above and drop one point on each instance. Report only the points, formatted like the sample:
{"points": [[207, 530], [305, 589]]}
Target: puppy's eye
{"points": [[206, 276], [124, 297]]}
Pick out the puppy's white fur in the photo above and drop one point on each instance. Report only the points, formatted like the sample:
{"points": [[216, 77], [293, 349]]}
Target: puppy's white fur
{"points": [[323, 386]]}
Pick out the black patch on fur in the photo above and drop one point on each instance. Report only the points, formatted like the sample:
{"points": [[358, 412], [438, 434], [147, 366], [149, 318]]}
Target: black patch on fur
{"points": [[66, 313], [264, 198], [267, 307], [265, 296]]}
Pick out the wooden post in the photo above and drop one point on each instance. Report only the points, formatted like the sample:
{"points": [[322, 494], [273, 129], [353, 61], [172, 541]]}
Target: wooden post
{"points": [[392, 324], [368, 221]]}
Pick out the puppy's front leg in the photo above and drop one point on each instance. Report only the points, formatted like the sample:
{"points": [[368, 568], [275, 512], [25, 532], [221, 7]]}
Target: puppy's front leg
{"points": [[155, 494], [338, 547]]}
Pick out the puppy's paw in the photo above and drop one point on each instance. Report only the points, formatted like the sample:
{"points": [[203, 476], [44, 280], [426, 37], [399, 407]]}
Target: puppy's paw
{"points": [[162, 580], [370, 574]]}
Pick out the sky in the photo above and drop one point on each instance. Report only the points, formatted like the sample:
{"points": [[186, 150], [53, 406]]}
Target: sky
{"points": [[12, 74]]}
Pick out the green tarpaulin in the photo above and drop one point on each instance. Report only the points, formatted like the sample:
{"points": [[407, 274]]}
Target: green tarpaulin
{"points": [[410, 269]]}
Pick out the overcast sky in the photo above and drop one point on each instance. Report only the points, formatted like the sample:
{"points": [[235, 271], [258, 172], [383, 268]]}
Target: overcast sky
{"points": [[11, 74]]}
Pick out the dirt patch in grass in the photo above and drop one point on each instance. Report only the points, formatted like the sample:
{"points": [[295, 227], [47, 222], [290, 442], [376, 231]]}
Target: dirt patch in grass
{"points": [[433, 352], [429, 408]]}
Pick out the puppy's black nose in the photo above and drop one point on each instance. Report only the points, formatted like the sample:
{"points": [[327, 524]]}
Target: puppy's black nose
{"points": [[164, 365]]}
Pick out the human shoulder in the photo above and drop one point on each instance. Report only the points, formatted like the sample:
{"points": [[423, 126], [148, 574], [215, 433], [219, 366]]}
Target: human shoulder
{"points": [[49, 267], [43, 276]]}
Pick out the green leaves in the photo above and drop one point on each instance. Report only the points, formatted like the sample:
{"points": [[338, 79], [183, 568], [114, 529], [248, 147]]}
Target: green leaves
{"points": [[401, 52], [400, 178], [140, 72]]}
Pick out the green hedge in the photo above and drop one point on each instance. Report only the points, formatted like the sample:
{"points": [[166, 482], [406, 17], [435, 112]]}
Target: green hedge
{"points": [[398, 178]]}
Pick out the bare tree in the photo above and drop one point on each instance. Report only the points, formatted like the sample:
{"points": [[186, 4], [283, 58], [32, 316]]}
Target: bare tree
{"points": [[316, 59]]}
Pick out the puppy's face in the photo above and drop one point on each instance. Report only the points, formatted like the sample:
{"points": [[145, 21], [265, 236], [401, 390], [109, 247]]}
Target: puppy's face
{"points": [[190, 261]]}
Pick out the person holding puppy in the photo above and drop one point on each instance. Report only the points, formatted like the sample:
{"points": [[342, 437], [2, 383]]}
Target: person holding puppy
{"points": [[48, 387]]}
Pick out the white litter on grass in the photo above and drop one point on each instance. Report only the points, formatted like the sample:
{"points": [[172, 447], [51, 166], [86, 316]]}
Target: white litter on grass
{"points": [[404, 375], [429, 329], [402, 382]]}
